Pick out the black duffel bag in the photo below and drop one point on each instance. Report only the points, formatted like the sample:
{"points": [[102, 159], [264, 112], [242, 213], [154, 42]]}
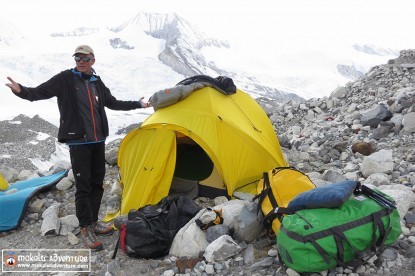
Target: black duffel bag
{"points": [[150, 230]]}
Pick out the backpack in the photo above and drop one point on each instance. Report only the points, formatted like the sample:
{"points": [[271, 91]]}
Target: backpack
{"points": [[313, 240], [150, 230], [276, 189]]}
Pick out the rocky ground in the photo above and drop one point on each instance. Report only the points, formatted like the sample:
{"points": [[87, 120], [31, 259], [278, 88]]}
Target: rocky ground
{"points": [[364, 131]]}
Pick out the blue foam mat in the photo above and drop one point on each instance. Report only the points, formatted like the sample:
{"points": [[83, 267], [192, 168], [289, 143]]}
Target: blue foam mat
{"points": [[13, 206]]}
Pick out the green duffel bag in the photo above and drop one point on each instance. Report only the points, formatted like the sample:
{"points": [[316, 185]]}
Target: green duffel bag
{"points": [[313, 240]]}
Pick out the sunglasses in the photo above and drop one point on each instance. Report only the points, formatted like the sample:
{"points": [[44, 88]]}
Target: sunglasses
{"points": [[84, 59]]}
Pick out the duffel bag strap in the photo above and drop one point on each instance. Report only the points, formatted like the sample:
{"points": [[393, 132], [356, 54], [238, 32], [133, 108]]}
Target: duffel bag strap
{"points": [[266, 188], [267, 191], [356, 252], [278, 169], [377, 224], [383, 233], [339, 237], [121, 239], [116, 248], [278, 212], [325, 255], [340, 247]]}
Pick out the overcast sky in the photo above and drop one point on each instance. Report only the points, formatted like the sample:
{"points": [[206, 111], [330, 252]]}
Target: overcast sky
{"points": [[273, 27], [370, 21]]}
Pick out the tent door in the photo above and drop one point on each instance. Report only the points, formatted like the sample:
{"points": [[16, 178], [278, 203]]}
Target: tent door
{"points": [[147, 167], [195, 173]]}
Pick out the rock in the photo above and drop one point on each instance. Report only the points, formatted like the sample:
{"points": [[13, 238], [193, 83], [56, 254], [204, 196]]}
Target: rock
{"points": [[120, 220], [397, 121], [378, 162], [242, 217], [10, 174], [190, 240], [36, 205], [408, 122], [340, 92], [51, 222], [70, 220], [111, 156], [291, 272], [376, 115], [383, 130], [403, 196], [410, 220], [26, 174], [60, 166], [116, 188], [237, 195], [70, 176], [333, 176], [221, 249], [377, 179], [64, 184], [186, 263], [362, 148], [265, 263], [215, 231], [207, 216], [113, 204], [72, 239]]}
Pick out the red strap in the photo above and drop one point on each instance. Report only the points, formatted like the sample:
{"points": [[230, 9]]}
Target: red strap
{"points": [[122, 237]]}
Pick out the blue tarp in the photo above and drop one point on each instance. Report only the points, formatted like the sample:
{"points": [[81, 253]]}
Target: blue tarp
{"points": [[13, 206]]}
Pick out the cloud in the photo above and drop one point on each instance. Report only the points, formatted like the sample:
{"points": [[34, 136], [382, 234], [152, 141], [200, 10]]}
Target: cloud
{"points": [[244, 21]]}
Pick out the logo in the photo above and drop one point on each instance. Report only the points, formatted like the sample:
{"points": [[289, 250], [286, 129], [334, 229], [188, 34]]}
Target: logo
{"points": [[10, 261], [45, 260]]}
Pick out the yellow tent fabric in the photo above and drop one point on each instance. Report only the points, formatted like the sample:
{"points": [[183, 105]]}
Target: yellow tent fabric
{"points": [[233, 130], [3, 183]]}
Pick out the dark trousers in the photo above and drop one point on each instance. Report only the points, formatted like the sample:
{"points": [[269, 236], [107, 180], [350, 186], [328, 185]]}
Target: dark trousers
{"points": [[88, 166]]}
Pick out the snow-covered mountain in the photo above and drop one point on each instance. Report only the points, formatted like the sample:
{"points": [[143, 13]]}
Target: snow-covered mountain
{"points": [[184, 47], [8, 33], [373, 50], [150, 52]]}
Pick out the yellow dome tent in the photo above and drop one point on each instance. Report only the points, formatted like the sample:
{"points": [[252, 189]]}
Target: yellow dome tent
{"points": [[233, 131]]}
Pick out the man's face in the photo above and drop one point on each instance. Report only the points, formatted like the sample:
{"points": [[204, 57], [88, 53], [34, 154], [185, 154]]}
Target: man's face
{"points": [[82, 65]]}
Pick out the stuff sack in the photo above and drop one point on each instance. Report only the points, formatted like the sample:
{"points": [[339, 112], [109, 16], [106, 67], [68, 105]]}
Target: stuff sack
{"points": [[3, 183], [150, 230], [329, 196], [276, 189], [313, 240]]}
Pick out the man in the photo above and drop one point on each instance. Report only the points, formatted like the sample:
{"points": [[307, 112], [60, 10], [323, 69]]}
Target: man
{"points": [[83, 126]]}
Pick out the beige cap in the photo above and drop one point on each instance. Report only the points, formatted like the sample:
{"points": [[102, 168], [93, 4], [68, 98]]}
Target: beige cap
{"points": [[84, 49]]}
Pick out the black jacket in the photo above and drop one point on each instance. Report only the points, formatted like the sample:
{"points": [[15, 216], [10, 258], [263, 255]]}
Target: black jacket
{"points": [[62, 86]]}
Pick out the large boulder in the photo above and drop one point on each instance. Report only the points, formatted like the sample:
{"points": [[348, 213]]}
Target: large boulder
{"points": [[375, 116], [378, 162], [408, 122], [242, 217]]}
